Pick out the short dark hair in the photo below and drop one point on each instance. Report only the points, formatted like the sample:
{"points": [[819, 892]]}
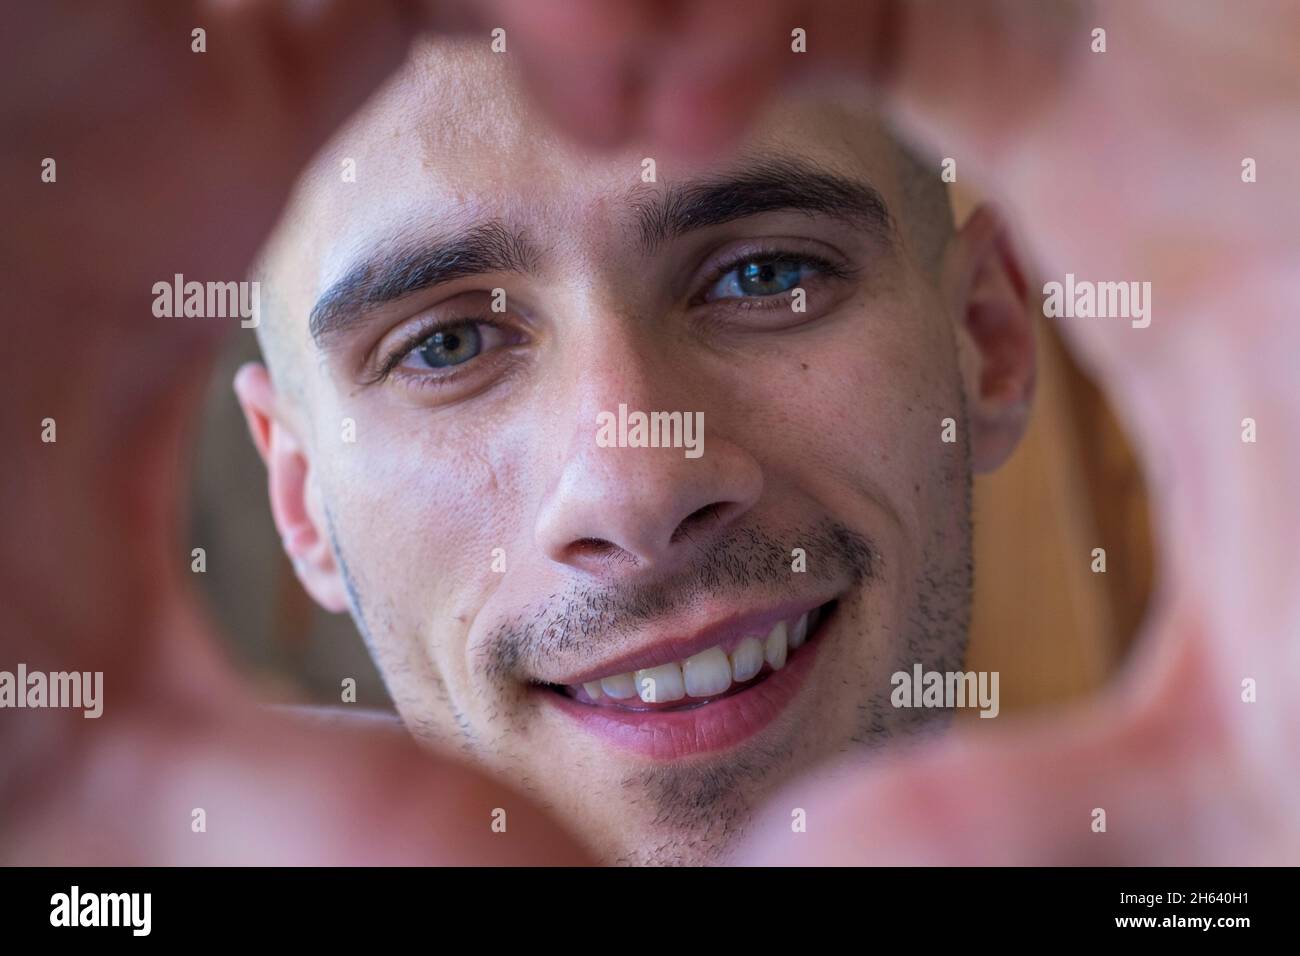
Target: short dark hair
{"points": [[927, 203]]}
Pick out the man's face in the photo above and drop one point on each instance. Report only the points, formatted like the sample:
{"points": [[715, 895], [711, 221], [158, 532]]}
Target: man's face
{"points": [[463, 467]]}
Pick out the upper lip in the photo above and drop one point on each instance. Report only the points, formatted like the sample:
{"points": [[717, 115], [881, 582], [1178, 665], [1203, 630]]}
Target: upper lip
{"points": [[663, 642]]}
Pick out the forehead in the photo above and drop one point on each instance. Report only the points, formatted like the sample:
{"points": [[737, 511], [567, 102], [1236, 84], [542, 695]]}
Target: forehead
{"points": [[453, 139]]}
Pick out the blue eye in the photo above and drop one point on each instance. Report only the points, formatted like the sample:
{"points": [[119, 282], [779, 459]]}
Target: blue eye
{"points": [[453, 345], [761, 276]]}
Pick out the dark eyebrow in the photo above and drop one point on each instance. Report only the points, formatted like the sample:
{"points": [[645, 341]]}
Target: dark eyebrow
{"points": [[767, 185], [411, 267]]}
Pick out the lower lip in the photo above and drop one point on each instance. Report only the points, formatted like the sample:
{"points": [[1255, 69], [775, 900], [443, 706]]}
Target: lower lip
{"points": [[674, 734]]}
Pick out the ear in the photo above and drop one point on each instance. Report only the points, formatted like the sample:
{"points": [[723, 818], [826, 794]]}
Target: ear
{"points": [[295, 498], [984, 285]]}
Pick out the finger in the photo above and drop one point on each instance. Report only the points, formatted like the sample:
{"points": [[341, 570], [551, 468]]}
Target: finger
{"points": [[717, 67], [584, 61]]}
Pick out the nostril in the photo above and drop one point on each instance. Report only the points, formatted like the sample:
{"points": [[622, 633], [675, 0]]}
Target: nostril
{"points": [[592, 548], [708, 515]]}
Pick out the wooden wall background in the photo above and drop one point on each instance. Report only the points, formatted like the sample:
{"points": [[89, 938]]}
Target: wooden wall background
{"points": [[1051, 627]]}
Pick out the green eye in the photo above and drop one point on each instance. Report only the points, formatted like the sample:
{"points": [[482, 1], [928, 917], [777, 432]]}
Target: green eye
{"points": [[454, 345]]}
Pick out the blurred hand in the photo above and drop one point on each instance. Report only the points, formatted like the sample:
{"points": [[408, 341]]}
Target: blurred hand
{"points": [[170, 160]]}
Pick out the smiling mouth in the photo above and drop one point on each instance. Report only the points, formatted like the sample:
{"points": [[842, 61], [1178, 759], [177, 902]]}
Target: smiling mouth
{"points": [[719, 672]]}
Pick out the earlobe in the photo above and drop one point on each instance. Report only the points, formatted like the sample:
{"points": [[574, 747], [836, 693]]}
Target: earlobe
{"points": [[995, 335], [295, 499]]}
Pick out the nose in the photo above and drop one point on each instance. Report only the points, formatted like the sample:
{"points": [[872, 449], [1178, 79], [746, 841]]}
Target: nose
{"points": [[640, 508]]}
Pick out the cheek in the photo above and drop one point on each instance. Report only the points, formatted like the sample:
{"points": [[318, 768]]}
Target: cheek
{"points": [[423, 512], [859, 409]]}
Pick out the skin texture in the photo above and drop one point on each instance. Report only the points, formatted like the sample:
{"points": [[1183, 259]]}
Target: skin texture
{"points": [[829, 419], [1121, 165]]}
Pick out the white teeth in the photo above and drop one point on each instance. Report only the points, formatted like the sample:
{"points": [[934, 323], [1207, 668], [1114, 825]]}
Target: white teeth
{"points": [[776, 646], [707, 673], [799, 633], [620, 686], [747, 659], [662, 684]]}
